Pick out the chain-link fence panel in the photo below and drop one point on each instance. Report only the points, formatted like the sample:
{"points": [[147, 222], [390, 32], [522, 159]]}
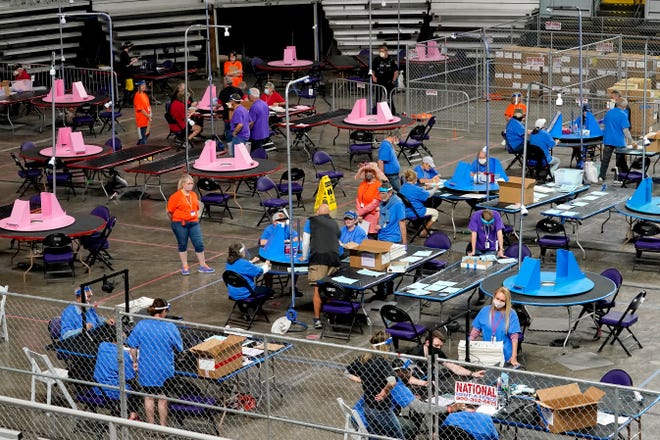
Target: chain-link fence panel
{"points": [[346, 91], [450, 107], [243, 385]]}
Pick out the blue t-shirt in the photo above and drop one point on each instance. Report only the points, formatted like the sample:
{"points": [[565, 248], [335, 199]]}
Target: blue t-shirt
{"points": [[157, 341], [401, 397], [495, 168], [357, 235], [515, 135], [416, 195], [544, 141], [248, 271], [268, 231], [425, 174], [241, 116], [106, 370], [497, 328], [388, 156], [479, 425], [72, 320], [615, 121], [486, 233], [391, 213]]}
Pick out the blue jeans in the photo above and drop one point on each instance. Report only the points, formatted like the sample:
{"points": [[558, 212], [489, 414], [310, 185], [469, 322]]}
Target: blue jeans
{"points": [[189, 230], [236, 140], [383, 422], [143, 136]]}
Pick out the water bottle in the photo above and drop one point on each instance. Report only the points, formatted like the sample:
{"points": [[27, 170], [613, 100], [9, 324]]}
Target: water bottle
{"points": [[604, 187], [575, 129]]}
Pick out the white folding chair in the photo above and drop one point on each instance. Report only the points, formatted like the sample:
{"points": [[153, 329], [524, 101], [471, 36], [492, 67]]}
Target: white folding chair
{"points": [[4, 334], [44, 371], [353, 423]]}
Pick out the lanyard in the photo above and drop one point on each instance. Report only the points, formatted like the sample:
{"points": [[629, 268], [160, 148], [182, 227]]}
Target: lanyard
{"points": [[187, 198], [495, 324]]}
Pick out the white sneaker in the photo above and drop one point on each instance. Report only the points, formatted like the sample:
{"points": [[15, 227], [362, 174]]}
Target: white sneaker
{"points": [[600, 180]]}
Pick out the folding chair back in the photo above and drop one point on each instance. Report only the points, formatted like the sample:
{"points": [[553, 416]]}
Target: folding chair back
{"points": [[249, 307], [44, 371], [98, 245], [58, 255], [416, 223], [399, 325], [617, 377], [269, 197], [30, 176], [339, 312], [353, 423], [617, 322], [211, 194]]}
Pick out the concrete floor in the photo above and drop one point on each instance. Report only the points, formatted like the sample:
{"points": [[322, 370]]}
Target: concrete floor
{"points": [[143, 242]]}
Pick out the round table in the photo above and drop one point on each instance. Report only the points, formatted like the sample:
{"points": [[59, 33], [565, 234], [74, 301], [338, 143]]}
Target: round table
{"points": [[343, 125], [85, 224], [590, 143], [43, 105], [34, 155], [603, 287]]}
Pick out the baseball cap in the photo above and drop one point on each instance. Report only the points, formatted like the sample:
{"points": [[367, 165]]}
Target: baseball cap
{"points": [[586, 108], [540, 123], [385, 187], [429, 161], [279, 216], [350, 214], [88, 290], [127, 44], [236, 97], [141, 82], [518, 112]]}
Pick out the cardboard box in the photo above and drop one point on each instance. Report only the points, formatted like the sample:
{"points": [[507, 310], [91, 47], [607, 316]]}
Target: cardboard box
{"points": [[510, 191], [475, 263], [219, 358], [655, 142], [565, 408], [371, 254]]}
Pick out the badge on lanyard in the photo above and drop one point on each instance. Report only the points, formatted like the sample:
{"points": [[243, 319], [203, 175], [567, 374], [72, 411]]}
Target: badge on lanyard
{"points": [[193, 213]]}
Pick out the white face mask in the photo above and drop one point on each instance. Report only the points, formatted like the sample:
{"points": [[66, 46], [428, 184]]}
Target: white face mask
{"points": [[382, 54], [482, 161], [268, 91], [498, 304]]}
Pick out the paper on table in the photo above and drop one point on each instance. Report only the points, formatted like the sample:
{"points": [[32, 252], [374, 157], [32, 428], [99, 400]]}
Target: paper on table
{"points": [[443, 401], [506, 260], [563, 206], [252, 352], [607, 419], [418, 285], [422, 253], [569, 213], [485, 409], [539, 195], [434, 287], [418, 292], [451, 289], [590, 197], [411, 259], [579, 204], [513, 206], [597, 193], [369, 273], [444, 283], [553, 211], [542, 189], [474, 196], [343, 280]]}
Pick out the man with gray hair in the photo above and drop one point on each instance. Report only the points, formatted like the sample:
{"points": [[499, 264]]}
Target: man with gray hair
{"points": [[259, 128], [616, 136], [224, 97]]}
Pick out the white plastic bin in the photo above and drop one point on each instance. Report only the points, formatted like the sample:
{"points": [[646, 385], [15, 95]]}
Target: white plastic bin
{"points": [[569, 176]]}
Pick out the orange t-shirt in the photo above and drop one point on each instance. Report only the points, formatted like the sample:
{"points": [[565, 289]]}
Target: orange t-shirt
{"points": [[512, 107], [141, 102], [183, 208], [231, 67]]}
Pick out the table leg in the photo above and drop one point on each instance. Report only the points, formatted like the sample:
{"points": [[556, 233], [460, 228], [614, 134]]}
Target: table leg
{"points": [[609, 215], [570, 320]]}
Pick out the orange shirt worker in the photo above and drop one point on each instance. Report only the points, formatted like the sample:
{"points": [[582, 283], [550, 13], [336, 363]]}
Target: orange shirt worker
{"points": [[142, 109], [516, 103], [234, 69], [182, 208]]}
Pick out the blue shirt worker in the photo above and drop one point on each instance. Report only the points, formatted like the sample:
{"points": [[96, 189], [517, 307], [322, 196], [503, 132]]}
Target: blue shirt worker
{"points": [[351, 232], [106, 372], [280, 220], [237, 262], [387, 160], [417, 196], [515, 132], [71, 319], [156, 341], [426, 172], [259, 128], [499, 322], [616, 136], [240, 123], [392, 221], [486, 228], [480, 426], [542, 139], [482, 164]]}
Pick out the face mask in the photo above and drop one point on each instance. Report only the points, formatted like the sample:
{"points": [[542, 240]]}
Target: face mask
{"points": [[482, 161], [498, 304], [368, 177], [382, 54], [487, 222], [268, 91], [232, 58]]}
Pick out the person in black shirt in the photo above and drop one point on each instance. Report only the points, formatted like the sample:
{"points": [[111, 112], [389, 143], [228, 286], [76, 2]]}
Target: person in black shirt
{"points": [[378, 378], [385, 72], [125, 69], [321, 242], [224, 97]]}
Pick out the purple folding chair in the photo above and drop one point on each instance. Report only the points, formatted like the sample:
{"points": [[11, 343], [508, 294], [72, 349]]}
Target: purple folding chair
{"points": [[399, 325]]}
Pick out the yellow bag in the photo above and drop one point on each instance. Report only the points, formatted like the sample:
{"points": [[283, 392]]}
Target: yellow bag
{"points": [[129, 84]]}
